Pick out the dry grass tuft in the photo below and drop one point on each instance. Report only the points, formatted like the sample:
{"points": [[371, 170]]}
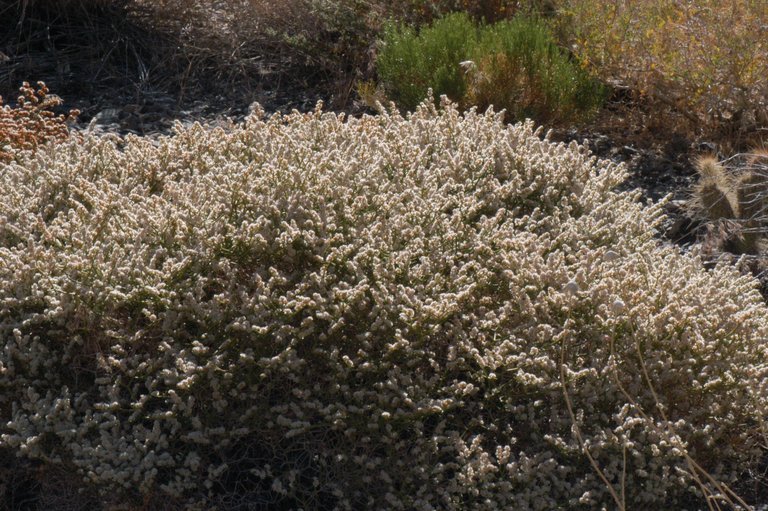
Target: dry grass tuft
{"points": [[85, 48], [204, 46]]}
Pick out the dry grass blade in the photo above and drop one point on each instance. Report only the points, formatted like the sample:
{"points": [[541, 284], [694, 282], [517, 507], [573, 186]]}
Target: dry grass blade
{"points": [[619, 500], [696, 471], [86, 47]]}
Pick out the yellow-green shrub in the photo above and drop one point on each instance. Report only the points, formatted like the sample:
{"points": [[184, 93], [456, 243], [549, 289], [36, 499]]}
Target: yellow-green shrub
{"points": [[411, 61], [379, 313], [706, 59]]}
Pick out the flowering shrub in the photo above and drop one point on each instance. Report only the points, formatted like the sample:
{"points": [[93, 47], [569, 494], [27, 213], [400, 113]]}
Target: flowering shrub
{"points": [[32, 122], [431, 312]]}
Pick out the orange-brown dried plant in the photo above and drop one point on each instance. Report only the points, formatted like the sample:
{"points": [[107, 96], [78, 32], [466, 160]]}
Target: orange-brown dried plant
{"points": [[32, 122]]}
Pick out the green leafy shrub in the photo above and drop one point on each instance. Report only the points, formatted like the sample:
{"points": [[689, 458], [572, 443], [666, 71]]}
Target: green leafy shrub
{"points": [[411, 62], [513, 64], [432, 312], [519, 67]]}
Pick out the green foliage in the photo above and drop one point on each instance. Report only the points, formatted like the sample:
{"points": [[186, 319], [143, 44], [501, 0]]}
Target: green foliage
{"points": [[411, 62], [521, 69], [514, 64]]}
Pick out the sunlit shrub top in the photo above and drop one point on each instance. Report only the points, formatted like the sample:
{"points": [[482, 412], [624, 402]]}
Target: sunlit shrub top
{"points": [[382, 312]]}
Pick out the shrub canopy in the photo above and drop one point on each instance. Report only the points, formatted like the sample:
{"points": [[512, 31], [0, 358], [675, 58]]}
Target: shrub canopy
{"points": [[427, 312]]}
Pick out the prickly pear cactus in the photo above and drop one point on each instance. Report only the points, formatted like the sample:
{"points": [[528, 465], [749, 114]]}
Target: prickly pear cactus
{"points": [[735, 203]]}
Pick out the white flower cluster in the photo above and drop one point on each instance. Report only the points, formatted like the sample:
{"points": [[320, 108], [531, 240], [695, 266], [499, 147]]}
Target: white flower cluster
{"points": [[431, 312]]}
